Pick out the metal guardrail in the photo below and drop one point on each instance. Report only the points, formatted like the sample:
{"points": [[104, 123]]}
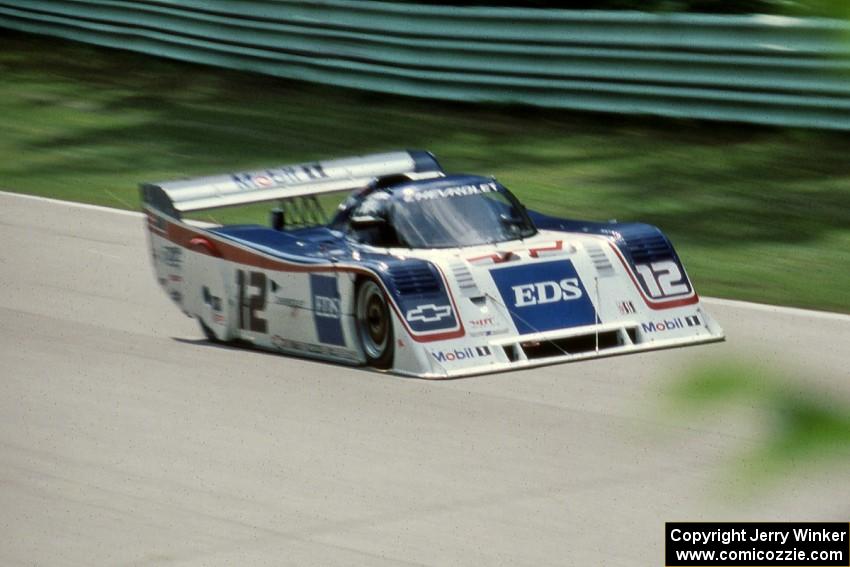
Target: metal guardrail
{"points": [[760, 69]]}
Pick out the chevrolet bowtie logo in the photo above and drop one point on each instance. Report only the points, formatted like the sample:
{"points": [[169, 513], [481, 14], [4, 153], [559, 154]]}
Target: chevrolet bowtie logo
{"points": [[428, 313]]}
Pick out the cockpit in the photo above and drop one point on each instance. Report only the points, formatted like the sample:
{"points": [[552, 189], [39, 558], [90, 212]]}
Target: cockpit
{"points": [[446, 212]]}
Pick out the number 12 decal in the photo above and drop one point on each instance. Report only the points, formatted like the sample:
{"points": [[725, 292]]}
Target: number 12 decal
{"points": [[663, 279], [252, 306]]}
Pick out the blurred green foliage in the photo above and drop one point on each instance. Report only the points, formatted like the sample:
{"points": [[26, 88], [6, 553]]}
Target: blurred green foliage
{"points": [[802, 426], [821, 8], [760, 214]]}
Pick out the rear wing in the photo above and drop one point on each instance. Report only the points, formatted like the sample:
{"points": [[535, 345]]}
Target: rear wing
{"points": [[284, 182]]}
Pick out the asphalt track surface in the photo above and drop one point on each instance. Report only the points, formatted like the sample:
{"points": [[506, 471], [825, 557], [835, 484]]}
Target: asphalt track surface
{"points": [[126, 439]]}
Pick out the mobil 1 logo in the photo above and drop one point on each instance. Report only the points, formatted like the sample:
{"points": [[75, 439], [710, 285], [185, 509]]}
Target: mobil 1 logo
{"points": [[673, 324], [461, 354]]}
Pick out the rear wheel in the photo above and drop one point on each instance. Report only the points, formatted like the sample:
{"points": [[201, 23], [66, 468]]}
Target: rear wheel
{"points": [[374, 325], [208, 333]]}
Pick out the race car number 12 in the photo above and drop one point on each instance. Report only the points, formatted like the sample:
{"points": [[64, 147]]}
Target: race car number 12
{"points": [[663, 279], [251, 306]]}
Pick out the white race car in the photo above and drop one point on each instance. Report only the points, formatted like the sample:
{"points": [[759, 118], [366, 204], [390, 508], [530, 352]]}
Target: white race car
{"points": [[419, 272]]}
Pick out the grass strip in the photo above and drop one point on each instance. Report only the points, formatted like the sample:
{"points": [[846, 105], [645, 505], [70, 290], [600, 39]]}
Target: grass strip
{"points": [[759, 214]]}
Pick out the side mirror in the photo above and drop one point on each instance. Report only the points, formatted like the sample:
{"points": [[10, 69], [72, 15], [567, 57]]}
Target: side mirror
{"points": [[507, 219], [366, 221], [277, 219]]}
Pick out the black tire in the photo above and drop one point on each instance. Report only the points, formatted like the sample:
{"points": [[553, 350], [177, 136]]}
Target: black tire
{"points": [[374, 324], [208, 333]]}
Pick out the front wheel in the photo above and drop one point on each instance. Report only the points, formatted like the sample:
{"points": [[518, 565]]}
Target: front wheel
{"points": [[374, 325]]}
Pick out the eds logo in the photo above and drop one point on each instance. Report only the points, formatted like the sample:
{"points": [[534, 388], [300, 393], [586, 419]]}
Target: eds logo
{"points": [[543, 296], [326, 309], [326, 306], [546, 292]]}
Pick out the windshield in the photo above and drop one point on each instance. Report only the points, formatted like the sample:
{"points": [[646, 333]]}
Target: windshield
{"points": [[449, 218]]}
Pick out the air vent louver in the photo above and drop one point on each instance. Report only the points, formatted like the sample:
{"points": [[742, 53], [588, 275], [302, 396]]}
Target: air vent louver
{"points": [[599, 258], [410, 279], [647, 245], [464, 279]]}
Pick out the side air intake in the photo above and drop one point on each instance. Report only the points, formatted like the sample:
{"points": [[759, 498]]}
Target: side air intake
{"points": [[414, 279], [646, 244]]}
